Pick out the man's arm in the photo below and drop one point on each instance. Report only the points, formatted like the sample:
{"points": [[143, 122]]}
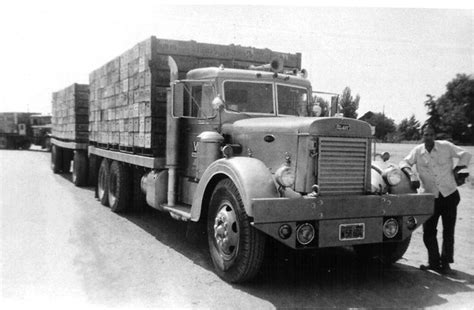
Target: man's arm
{"points": [[406, 165], [464, 159]]}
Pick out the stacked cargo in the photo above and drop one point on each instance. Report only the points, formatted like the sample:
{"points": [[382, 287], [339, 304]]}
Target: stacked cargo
{"points": [[70, 118], [128, 94]]}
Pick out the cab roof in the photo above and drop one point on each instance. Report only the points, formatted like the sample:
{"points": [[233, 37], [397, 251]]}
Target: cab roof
{"points": [[244, 74]]}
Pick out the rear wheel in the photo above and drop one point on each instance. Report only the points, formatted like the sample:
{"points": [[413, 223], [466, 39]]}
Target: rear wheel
{"points": [[56, 159], [79, 171], [102, 182], [236, 248], [386, 253], [67, 158], [119, 187]]}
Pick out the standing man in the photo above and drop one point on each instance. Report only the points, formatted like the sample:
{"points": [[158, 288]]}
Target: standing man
{"points": [[434, 163]]}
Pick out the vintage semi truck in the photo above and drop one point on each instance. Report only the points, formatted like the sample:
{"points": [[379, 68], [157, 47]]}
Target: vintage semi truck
{"points": [[18, 130], [235, 150]]}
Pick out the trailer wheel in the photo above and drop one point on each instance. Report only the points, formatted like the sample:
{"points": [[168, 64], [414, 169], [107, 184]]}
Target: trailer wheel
{"points": [[102, 182], [79, 172], [56, 159], [119, 187], [386, 253], [236, 248], [67, 158], [93, 170]]}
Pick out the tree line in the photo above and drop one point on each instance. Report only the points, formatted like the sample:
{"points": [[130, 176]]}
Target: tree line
{"points": [[451, 114]]}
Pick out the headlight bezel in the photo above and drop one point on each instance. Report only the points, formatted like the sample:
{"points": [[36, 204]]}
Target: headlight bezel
{"points": [[392, 176], [285, 176]]}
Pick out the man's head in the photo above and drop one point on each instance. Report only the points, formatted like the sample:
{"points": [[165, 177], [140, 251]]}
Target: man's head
{"points": [[429, 134]]}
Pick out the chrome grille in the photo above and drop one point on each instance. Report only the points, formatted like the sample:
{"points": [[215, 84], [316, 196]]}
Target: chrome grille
{"points": [[342, 165]]}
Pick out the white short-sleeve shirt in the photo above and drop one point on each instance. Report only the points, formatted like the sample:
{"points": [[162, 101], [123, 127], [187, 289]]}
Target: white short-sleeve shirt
{"points": [[435, 168]]}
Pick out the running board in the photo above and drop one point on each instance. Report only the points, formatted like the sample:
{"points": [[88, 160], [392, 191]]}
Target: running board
{"points": [[179, 212]]}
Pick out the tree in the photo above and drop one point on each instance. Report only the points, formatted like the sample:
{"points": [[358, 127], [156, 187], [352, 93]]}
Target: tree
{"points": [[384, 126], [409, 128], [348, 104], [452, 114]]}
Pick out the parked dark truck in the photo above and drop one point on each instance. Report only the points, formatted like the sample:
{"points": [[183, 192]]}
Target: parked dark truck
{"points": [[236, 151], [15, 130]]}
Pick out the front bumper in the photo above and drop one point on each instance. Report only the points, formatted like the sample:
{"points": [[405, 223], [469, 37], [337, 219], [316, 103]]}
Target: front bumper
{"points": [[327, 214]]}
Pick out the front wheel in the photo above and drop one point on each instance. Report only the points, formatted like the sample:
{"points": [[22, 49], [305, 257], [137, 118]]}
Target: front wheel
{"points": [[236, 247], [387, 253]]}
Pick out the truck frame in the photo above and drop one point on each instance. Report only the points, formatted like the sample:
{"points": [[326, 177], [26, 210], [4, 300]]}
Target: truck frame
{"points": [[244, 160]]}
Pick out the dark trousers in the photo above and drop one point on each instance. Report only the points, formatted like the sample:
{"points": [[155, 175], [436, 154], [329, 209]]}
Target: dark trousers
{"points": [[446, 207]]}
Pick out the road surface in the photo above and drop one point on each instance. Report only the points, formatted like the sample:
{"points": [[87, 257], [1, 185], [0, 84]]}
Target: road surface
{"points": [[60, 247]]}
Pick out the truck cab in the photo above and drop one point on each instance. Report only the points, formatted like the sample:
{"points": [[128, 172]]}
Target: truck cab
{"points": [[253, 161]]}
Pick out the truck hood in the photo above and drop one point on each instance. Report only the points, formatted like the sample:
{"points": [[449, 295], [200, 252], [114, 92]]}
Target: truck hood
{"points": [[327, 126]]}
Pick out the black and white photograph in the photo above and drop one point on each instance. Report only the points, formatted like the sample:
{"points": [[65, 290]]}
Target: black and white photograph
{"points": [[240, 155]]}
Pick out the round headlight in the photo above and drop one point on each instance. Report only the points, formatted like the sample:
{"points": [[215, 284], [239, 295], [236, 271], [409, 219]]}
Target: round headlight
{"points": [[392, 176], [285, 176], [390, 228], [305, 233], [411, 223], [284, 231]]}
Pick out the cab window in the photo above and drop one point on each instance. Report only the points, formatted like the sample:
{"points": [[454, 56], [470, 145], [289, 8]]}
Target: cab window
{"points": [[249, 97], [197, 100], [292, 100]]}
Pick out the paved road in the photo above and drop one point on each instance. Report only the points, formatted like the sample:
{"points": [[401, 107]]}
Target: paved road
{"points": [[60, 247]]}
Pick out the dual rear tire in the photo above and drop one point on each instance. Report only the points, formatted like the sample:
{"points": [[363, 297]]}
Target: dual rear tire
{"points": [[114, 185]]}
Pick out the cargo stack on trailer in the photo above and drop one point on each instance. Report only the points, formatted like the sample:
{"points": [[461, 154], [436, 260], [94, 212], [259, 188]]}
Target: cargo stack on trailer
{"points": [[128, 94], [70, 131]]}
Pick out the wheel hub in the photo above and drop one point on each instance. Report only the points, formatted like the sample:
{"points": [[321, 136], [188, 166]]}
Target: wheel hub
{"points": [[226, 232]]}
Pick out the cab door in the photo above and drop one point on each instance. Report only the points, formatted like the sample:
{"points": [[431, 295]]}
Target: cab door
{"points": [[198, 116]]}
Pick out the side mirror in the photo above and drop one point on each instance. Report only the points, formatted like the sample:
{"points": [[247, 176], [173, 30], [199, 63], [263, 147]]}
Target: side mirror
{"points": [[217, 103]]}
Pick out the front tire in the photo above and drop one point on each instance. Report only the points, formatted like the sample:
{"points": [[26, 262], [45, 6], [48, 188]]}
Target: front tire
{"points": [[119, 187], [103, 182], [386, 253], [236, 247]]}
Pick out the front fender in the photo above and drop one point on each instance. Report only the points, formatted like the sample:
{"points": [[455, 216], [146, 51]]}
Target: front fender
{"points": [[251, 177]]}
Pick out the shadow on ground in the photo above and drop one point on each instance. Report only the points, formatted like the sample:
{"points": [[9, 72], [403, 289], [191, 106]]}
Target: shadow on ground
{"points": [[325, 278]]}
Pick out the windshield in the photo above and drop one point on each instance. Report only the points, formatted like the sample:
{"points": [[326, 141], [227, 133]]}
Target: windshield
{"points": [[249, 97], [257, 97], [292, 100]]}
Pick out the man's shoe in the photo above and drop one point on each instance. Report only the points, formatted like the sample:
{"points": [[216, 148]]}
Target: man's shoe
{"points": [[430, 267], [446, 269]]}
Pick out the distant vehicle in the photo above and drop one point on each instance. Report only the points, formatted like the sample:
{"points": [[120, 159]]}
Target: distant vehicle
{"points": [[41, 131], [18, 130]]}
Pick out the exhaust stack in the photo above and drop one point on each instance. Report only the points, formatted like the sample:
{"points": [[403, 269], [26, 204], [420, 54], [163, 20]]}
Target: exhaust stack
{"points": [[172, 136]]}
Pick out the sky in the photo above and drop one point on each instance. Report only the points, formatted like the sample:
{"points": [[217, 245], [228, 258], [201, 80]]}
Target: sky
{"points": [[391, 57]]}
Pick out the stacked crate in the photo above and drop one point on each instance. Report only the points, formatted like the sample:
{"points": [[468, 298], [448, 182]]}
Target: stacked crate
{"points": [[70, 113], [128, 94]]}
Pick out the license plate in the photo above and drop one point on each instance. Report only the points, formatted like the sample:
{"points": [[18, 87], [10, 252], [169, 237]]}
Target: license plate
{"points": [[354, 231]]}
